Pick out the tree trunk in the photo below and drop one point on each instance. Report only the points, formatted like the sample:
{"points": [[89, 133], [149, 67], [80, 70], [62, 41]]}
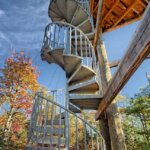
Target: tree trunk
{"points": [[7, 129], [117, 140], [104, 128]]}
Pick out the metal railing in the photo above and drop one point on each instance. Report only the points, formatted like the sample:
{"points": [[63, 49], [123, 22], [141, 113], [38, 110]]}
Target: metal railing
{"points": [[48, 122], [72, 40]]}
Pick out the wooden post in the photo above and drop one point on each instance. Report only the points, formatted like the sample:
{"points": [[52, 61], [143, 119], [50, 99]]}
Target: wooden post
{"points": [[110, 121]]}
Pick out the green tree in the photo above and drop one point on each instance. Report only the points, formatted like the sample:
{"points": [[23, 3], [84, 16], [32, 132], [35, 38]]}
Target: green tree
{"points": [[137, 121]]}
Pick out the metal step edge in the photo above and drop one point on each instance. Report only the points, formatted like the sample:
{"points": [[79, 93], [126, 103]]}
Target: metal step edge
{"points": [[55, 122], [75, 72], [48, 140], [82, 84], [55, 131], [84, 96], [75, 108]]}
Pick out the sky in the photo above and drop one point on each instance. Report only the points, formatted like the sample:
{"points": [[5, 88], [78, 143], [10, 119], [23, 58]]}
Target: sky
{"points": [[22, 24]]}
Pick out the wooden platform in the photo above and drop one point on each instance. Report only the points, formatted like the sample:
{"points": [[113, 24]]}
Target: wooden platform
{"points": [[118, 13]]}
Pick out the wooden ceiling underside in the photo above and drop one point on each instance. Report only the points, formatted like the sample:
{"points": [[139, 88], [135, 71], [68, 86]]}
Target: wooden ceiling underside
{"points": [[118, 13]]}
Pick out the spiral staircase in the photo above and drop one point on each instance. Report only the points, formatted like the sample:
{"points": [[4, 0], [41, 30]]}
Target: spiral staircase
{"points": [[68, 43]]}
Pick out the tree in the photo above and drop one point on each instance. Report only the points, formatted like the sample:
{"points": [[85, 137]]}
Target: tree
{"points": [[137, 120], [18, 85]]}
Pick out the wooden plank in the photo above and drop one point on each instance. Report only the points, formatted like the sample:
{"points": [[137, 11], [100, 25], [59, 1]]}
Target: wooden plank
{"points": [[137, 51], [123, 24], [126, 12], [112, 8]]}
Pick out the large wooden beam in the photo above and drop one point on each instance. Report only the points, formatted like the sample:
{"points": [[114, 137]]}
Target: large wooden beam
{"points": [[137, 51], [115, 63], [98, 21]]}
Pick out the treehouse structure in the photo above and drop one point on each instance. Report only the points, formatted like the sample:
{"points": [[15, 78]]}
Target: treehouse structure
{"points": [[73, 40]]}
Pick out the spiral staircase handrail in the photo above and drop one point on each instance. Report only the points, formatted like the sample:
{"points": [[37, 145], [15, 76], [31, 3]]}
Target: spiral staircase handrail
{"points": [[83, 39], [69, 111]]}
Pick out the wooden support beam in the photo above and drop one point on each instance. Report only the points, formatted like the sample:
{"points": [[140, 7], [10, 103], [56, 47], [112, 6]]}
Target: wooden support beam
{"points": [[137, 51], [115, 63], [126, 12], [112, 8], [98, 21]]}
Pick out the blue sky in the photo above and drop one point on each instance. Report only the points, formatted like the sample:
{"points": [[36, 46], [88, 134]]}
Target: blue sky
{"points": [[22, 24]]}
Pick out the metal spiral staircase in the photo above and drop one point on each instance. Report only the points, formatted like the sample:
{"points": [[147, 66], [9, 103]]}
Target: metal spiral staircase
{"points": [[67, 43]]}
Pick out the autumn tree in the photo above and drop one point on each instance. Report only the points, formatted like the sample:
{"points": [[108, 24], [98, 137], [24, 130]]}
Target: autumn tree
{"points": [[18, 84]]}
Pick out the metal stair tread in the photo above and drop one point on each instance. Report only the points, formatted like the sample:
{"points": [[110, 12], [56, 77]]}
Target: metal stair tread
{"points": [[86, 101], [91, 84], [55, 122], [74, 108], [80, 16], [48, 140], [82, 73], [85, 96], [42, 148], [71, 8], [63, 114], [57, 54], [70, 63], [50, 130], [54, 8]]}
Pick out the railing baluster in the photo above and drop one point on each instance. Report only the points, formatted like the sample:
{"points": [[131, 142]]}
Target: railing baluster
{"points": [[60, 128], [52, 123], [70, 40], [91, 132], [76, 42], [59, 37], [45, 120], [54, 36], [81, 45], [97, 143], [84, 135], [77, 141], [86, 52]]}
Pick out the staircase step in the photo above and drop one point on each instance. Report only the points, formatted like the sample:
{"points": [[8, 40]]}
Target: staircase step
{"points": [[43, 148], [53, 7], [63, 114], [47, 140], [47, 57], [74, 108], [55, 122], [57, 55], [79, 16], [62, 6], [71, 8], [89, 85], [81, 74], [70, 63], [90, 101], [86, 27], [49, 130]]}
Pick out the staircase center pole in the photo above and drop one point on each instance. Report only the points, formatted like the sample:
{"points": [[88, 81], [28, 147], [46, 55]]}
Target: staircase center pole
{"points": [[67, 134]]}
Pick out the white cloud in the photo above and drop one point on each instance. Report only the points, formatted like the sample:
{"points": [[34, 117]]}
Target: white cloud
{"points": [[2, 13]]}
